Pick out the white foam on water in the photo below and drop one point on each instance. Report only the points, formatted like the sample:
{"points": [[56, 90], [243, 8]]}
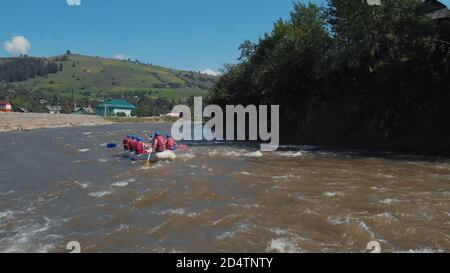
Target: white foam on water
{"points": [[119, 184], [365, 227], [379, 189], [332, 194], [193, 214], [123, 183], [177, 212], [25, 235], [283, 245], [84, 150], [213, 153], [387, 218], [386, 176], [389, 201], [121, 228], [225, 235], [304, 198], [186, 155], [100, 194], [422, 250], [102, 160], [334, 220], [246, 173], [254, 154], [233, 153], [230, 234], [84, 185], [281, 232], [7, 193], [214, 223], [292, 154], [31, 209], [252, 206], [87, 133], [283, 176], [6, 215]]}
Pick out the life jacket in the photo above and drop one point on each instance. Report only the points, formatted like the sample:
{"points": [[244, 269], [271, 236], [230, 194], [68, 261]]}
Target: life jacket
{"points": [[126, 145], [132, 145], [140, 149], [160, 145], [170, 144]]}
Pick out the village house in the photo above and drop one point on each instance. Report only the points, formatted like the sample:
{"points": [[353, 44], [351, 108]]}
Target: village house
{"points": [[173, 115], [5, 106], [114, 108], [53, 109], [436, 10], [439, 12]]}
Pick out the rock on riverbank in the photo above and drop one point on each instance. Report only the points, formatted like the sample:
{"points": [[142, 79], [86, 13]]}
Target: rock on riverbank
{"points": [[31, 121]]}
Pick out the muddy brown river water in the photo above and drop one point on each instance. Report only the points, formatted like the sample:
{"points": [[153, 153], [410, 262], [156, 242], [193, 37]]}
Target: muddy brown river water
{"points": [[61, 185]]}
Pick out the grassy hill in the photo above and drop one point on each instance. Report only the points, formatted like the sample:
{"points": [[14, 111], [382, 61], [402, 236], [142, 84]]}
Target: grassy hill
{"points": [[95, 79]]}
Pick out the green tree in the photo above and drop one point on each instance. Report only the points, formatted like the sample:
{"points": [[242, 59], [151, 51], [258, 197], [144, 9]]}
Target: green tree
{"points": [[348, 74]]}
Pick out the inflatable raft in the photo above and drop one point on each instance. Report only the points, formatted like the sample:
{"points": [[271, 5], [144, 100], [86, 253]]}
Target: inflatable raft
{"points": [[153, 157]]}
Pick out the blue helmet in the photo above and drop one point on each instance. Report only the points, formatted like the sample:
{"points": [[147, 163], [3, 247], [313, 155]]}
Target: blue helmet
{"points": [[168, 135], [133, 137], [139, 139], [128, 136], [157, 134], [152, 136]]}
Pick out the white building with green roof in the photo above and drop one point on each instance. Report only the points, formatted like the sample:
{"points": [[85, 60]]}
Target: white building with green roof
{"points": [[114, 108]]}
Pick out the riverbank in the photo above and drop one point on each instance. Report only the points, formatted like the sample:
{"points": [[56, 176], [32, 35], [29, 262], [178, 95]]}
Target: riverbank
{"points": [[141, 119], [31, 121]]}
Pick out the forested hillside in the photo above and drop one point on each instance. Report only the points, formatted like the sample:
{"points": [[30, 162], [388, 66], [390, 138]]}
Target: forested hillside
{"points": [[24, 68]]}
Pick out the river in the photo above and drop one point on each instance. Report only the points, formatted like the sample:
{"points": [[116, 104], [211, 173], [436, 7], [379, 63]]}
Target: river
{"points": [[61, 185]]}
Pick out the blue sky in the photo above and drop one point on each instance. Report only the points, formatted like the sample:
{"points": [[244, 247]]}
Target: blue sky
{"points": [[184, 34]]}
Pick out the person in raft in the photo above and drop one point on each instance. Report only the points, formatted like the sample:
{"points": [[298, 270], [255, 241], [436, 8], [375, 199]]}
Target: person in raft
{"points": [[132, 144], [126, 145], [141, 147], [151, 139], [159, 143], [170, 143]]}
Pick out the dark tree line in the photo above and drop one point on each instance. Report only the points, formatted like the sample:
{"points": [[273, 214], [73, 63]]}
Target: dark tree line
{"points": [[24, 68], [350, 74]]}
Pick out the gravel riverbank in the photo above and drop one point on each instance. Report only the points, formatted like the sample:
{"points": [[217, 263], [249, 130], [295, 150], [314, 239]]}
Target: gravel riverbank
{"points": [[31, 121]]}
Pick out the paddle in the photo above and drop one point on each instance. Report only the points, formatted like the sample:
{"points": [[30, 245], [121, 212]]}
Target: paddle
{"points": [[111, 145], [148, 138]]}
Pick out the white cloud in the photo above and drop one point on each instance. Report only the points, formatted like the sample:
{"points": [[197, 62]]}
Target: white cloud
{"points": [[120, 57], [73, 2], [18, 45], [210, 72]]}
